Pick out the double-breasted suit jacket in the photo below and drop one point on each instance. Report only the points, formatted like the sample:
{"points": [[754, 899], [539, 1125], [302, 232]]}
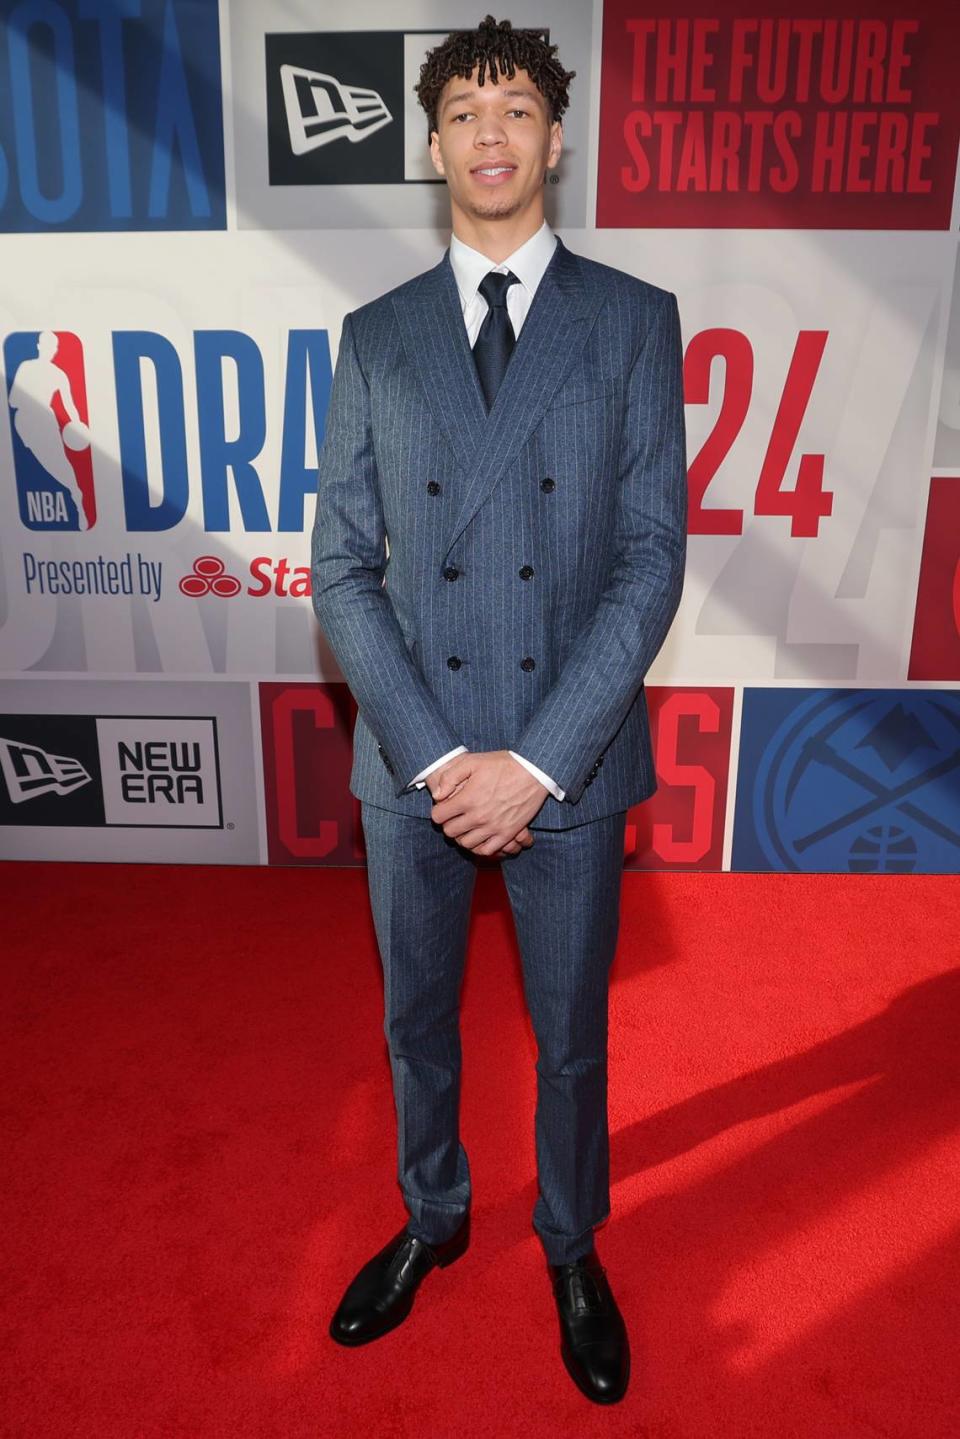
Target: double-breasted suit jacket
{"points": [[504, 580]]}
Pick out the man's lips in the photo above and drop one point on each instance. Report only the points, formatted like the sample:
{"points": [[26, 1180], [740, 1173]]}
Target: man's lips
{"points": [[505, 171]]}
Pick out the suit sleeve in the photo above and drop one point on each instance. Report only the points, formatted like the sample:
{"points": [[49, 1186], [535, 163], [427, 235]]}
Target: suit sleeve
{"points": [[348, 565], [420, 779], [602, 675]]}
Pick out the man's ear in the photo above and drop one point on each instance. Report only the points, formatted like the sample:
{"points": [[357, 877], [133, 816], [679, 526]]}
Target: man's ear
{"points": [[435, 155], [556, 144]]}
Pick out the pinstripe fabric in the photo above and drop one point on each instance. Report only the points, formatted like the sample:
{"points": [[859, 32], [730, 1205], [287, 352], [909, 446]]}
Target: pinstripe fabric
{"points": [[415, 478], [428, 510], [564, 893]]}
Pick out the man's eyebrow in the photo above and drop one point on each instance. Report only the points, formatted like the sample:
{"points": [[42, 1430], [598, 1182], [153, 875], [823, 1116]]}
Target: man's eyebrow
{"points": [[464, 95]]}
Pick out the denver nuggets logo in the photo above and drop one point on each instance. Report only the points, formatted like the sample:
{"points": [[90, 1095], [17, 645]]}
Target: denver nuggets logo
{"points": [[862, 781]]}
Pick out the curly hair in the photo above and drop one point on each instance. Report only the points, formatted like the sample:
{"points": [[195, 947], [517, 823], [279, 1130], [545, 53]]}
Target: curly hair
{"points": [[493, 43]]}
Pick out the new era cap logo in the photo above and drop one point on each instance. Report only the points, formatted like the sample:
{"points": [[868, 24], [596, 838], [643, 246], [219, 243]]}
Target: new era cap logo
{"points": [[30, 771], [154, 771], [320, 109]]}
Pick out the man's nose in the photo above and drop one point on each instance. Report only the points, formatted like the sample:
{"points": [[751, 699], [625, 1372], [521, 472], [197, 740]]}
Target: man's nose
{"points": [[490, 132]]}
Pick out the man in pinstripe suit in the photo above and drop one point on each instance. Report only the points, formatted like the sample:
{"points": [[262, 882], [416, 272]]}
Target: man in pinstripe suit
{"points": [[497, 557]]}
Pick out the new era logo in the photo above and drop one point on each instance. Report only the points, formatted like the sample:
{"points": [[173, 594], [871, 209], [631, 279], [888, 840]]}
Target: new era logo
{"points": [[347, 86], [320, 109], [135, 771], [30, 771]]}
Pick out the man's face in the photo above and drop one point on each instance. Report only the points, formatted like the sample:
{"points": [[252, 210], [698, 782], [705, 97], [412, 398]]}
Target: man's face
{"points": [[504, 127]]}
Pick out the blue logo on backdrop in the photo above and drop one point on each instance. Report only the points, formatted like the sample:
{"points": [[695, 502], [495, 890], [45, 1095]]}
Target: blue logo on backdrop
{"points": [[854, 781], [110, 115], [47, 398], [56, 456]]}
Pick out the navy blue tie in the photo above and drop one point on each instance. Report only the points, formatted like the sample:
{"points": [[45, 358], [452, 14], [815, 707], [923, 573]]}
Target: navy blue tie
{"points": [[494, 344]]}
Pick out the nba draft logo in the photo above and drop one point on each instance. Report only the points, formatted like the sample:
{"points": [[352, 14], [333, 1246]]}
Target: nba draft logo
{"points": [[47, 402], [849, 781]]}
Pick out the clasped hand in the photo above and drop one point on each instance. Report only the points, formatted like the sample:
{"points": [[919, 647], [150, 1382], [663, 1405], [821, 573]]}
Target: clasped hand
{"points": [[485, 801]]}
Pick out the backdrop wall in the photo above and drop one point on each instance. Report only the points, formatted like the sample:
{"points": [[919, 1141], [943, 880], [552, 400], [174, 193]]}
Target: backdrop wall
{"points": [[192, 196]]}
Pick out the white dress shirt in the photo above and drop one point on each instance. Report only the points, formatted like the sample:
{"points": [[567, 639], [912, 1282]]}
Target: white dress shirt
{"points": [[469, 267]]}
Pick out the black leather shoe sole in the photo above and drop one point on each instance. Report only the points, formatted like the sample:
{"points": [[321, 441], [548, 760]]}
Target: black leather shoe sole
{"points": [[393, 1322]]}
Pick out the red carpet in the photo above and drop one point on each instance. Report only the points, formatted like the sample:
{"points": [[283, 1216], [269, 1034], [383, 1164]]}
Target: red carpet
{"points": [[201, 1138]]}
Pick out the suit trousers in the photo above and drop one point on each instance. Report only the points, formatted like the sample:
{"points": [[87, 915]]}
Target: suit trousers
{"points": [[564, 894]]}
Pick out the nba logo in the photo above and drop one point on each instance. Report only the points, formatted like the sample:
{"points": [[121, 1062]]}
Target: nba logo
{"points": [[47, 400]]}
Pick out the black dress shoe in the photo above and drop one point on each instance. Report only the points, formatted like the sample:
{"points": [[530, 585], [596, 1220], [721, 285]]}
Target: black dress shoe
{"points": [[593, 1337], [382, 1294]]}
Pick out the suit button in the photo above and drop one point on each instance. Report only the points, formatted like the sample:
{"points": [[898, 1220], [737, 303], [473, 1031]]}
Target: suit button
{"points": [[548, 486], [528, 664], [433, 488], [454, 662], [451, 572], [526, 572]]}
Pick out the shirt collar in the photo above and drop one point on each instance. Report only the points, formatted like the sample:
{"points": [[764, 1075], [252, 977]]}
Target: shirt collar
{"points": [[528, 263]]}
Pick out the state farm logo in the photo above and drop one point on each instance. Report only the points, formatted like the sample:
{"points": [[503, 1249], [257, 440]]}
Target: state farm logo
{"points": [[30, 772], [267, 577], [321, 109], [209, 577]]}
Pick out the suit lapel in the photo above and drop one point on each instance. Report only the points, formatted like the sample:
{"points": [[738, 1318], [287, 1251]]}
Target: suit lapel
{"points": [[435, 340], [551, 339]]}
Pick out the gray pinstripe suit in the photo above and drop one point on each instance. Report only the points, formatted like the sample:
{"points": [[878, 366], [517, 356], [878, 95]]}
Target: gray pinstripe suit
{"points": [[536, 558]]}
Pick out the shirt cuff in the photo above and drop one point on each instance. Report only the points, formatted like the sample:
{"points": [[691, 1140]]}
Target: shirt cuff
{"points": [[544, 779], [420, 778]]}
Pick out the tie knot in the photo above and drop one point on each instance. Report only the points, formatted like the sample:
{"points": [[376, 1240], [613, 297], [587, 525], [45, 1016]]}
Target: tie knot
{"points": [[494, 286]]}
